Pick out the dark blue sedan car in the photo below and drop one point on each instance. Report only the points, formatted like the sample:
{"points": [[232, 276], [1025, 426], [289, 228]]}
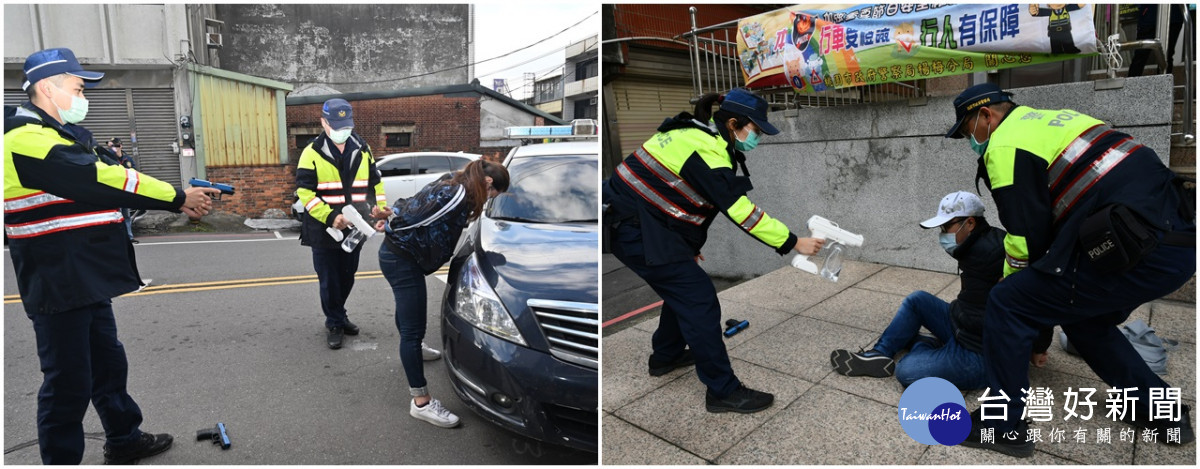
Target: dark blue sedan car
{"points": [[520, 316]]}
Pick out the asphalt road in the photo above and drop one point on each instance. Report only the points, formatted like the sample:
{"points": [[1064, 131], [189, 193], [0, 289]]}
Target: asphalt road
{"points": [[231, 331]]}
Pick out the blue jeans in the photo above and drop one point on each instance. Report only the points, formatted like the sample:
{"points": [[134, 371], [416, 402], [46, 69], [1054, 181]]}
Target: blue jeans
{"points": [[128, 222], [951, 362], [82, 361], [408, 287], [335, 272]]}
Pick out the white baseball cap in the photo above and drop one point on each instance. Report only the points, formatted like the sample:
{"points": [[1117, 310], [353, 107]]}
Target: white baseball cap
{"points": [[954, 205]]}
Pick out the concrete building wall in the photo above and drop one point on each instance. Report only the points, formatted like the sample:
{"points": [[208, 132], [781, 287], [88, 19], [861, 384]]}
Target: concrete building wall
{"points": [[344, 45], [494, 117], [880, 169], [117, 35]]}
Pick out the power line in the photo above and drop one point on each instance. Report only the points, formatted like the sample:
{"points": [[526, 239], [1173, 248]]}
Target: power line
{"points": [[384, 80], [563, 66], [535, 59]]}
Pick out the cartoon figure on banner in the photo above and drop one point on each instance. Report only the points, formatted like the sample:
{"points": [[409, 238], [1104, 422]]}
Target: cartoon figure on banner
{"points": [[1059, 26], [803, 26], [793, 68], [802, 64], [756, 46], [906, 41]]}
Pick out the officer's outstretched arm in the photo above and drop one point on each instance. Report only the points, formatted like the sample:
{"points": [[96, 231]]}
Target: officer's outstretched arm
{"points": [[70, 172], [717, 182]]}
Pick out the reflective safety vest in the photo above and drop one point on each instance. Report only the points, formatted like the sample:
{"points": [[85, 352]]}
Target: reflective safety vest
{"points": [[1077, 150], [327, 184], [67, 239], [687, 173]]}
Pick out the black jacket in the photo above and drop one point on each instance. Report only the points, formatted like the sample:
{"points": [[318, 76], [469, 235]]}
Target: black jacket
{"points": [[70, 268], [442, 210], [981, 262]]}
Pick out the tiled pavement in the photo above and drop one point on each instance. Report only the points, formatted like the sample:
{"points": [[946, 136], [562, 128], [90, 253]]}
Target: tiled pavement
{"points": [[821, 417]]}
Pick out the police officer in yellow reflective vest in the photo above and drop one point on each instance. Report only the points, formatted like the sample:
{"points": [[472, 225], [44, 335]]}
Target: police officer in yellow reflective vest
{"points": [[662, 200], [1097, 226], [336, 169], [71, 257]]}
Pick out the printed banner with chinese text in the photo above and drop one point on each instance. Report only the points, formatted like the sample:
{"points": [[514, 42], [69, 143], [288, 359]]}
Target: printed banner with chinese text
{"points": [[814, 49]]}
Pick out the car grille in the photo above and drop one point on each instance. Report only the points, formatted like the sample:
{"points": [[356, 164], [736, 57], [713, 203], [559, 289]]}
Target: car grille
{"points": [[576, 424], [573, 330]]}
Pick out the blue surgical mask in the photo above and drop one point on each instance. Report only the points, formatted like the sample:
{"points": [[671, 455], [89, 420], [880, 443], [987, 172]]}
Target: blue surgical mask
{"points": [[948, 242], [78, 110], [749, 143], [341, 135]]}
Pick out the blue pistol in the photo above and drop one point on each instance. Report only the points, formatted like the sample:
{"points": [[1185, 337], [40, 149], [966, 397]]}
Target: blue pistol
{"points": [[224, 188], [216, 434], [733, 326]]}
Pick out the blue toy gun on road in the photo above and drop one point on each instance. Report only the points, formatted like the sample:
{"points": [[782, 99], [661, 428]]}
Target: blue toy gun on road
{"points": [[224, 188]]}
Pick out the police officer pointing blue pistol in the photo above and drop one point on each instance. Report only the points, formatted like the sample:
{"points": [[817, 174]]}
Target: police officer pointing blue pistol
{"points": [[71, 256]]}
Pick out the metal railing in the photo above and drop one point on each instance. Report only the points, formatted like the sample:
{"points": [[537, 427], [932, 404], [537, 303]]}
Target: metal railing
{"points": [[1110, 33]]}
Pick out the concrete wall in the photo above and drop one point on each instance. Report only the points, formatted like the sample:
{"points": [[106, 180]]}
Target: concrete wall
{"points": [[494, 117], [339, 44], [116, 35], [880, 169]]}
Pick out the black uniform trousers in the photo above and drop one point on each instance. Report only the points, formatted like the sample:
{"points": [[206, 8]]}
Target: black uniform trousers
{"points": [[1089, 306], [691, 313], [82, 361], [335, 273]]}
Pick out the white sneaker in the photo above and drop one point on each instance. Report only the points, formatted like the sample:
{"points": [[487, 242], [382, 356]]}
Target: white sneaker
{"points": [[429, 354], [434, 413]]}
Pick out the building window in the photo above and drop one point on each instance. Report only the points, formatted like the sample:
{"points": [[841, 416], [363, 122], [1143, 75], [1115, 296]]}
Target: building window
{"points": [[586, 109], [586, 69], [397, 139], [302, 134], [397, 135]]}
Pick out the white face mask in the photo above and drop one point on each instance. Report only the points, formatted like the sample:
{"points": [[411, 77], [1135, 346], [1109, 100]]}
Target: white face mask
{"points": [[77, 111], [341, 135]]}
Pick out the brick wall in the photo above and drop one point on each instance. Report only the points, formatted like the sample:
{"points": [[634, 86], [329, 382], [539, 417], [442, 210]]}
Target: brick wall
{"points": [[441, 123], [258, 188]]}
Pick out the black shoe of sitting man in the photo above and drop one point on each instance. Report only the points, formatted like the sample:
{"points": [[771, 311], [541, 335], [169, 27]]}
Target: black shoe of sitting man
{"points": [[334, 337], [349, 328], [1162, 426], [1014, 443], [743, 401], [659, 368], [146, 446]]}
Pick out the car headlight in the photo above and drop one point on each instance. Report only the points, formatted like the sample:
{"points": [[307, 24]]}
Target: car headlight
{"points": [[476, 303]]}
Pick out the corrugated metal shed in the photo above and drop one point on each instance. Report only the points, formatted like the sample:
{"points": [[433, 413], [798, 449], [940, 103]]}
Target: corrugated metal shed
{"points": [[239, 119]]}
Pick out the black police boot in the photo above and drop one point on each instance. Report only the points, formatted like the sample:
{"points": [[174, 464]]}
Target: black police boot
{"points": [[659, 368], [743, 401], [349, 328], [334, 337], [1016, 446], [146, 446]]}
